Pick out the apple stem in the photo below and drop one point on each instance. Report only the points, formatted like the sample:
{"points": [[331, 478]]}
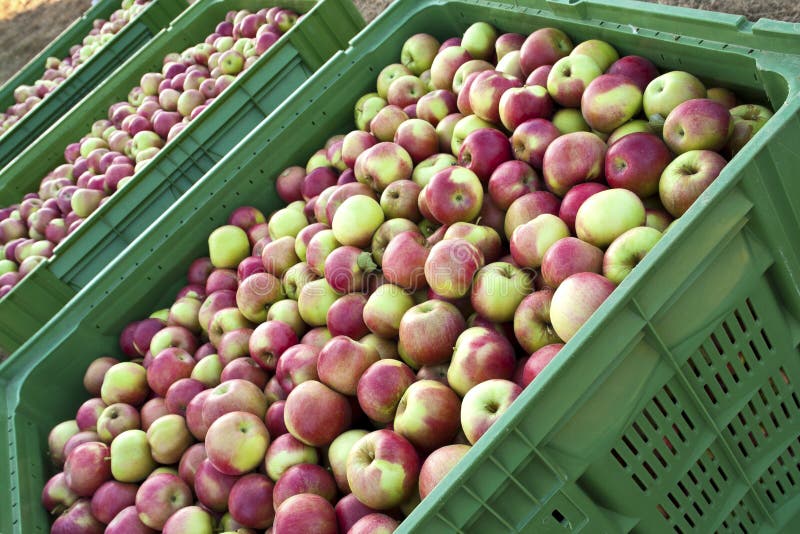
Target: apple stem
{"points": [[366, 263]]}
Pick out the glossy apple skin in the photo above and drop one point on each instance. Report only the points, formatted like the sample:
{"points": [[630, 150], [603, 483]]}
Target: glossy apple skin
{"points": [[572, 159], [640, 70], [610, 101], [533, 365], [484, 404], [545, 46], [454, 194], [342, 361], [575, 300], [636, 162], [250, 501], [428, 332], [306, 512], [698, 124], [451, 265], [479, 355], [315, 414], [606, 215], [483, 151], [569, 256], [428, 415], [685, 179]]}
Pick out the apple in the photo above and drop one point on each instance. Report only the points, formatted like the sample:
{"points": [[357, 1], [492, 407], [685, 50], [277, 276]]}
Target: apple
{"points": [[233, 396], [190, 461], [167, 367], [56, 495], [349, 510], [698, 124], [347, 269], [664, 93], [573, 200], [89, 412], [575, 300], [511, 180], [268, 341], [435, 106], [532, 323], [125, 382], [451, 265], [388, 75], [640, 70], [479, 355], [317, 337], [237, 442], [484, 404], [345, 316], [603, 54], [510, 64], [428, 415], [382, 164], [569, 256], [227, 246], [116, 419], [189, 519], [418, 138], [399, 200], [366, 108], [428, 332], [87, 467], [213, 487], [159, 497], [528, 207], [131, 459], [606, 215], [445, 64], [127, 522], [530, 241], [748, 119], [314, 300], [250, 501], [111, 498], [636, 162], [374, 523], [290, 220], [609, 101], [723, 96], [380, 388], [77, 518], [521, 104], [483, 150], [498, 289], [545, 46], [418, 52], [342, 361], [627, 250], [479, 40], [539, 75], [437, 465], [315, 414], [405, 91], [385, 308], [485, 93], [571, 159], [169, 437], [304, 478], [288, 183], [338, 452], [685, 179], [569, 78], [306, 512], [388, 457], [531, 139], [386, 122], [286, 451], [278, 256], [57, 439], [486, 238], [535, 363]]}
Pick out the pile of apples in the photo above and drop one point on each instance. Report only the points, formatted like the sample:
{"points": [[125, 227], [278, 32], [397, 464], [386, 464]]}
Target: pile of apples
{"points": [[324, 368], [115, 149], [57, 70]]}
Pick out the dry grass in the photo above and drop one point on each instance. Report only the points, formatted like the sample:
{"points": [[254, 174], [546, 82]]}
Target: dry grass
{"points": [[26, 26]]}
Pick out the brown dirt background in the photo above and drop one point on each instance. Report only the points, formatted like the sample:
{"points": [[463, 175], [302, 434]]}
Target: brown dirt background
{"points": [[26, 26]]}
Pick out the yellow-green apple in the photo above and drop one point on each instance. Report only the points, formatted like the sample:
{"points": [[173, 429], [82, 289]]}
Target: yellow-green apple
{"points": [[575, 300], [609, 101], [425, 170], [190, 461], [213, 487], [572, 159], [521, 104], [404, 260], [224, 321], [167, 367], [184, 313], [630, 127], [319, 247], [606, 215], [507, 42], [698, 124], [479, 40], [510, 64], [528, 207], [354, 143], [483, 150], [438, 464], [530, 241], [532, 326], [435, 106], [346, 316], [399, 200], [640, 70], [189, 519], [418, 137], [89, 412], [428, 332], [235, 395], [175, 336], [169, 438], [57, 439], [237, 442], [664, 93], [658, 218], [85, 201], [246, 369], [345, 191], [130, 456], [77, 518], [385, 123], [317, 337], [304, 478], [306, 512], [454, 194], [480, 354], [569, 256], [603, 54], [460, 79], [250, 501], [382, 469], [533, 365], [288, 311], [159, 497], [569, 120], [116, 419], [342, 361], [389, 74], [387, 348], [87, 467], [56, 495], [337, 455], [485, 92], [366, 108], [304, 238], [314, 300], [485, 238], [227, 246], [484, 404], [636, 162], [375, 523], [531, 139], [687, 177], [315, 414], [573, 200], [418, 52], [722, 95], [382, 164], [463, 128], [569, 78], [451, 265], [287, 221], [510, 180], [405, 91], [286, 451], [545, 46], [428, 415], [626, 251], [498, 289], [748, 119], [381, 387], [445, 65], [125, 382], [269, 341], [385, 308]]}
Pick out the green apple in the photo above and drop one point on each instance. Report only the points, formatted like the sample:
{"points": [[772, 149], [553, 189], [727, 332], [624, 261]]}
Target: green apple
{"points": [[168, 437], [314, 300], [366, 108], [685, 179], [464, 127], [426, 168], [227, 246], [626, 251], [479, 40], [337, 456], [131, 460], [569, 120], [418, 52], [356, 220], [389, 74], [601, 52], [664, 93], [530, 241], [497, 290], [285, 222], [385, 308], [569, 77], [634, 126], [608, 214], [208, 370]]}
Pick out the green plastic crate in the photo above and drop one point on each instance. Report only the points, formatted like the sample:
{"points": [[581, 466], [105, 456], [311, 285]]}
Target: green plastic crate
{"points": [[677, 406], [327, 27], [157, 15]]}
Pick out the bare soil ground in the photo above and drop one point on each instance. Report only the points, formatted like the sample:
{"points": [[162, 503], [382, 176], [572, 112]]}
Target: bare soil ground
{"points": [[26, 26]]}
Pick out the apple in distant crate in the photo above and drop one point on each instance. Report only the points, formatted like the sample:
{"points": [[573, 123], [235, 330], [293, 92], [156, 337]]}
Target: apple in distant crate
{"points": [[483, 150], [375, 456], [250, 501], [436, 105], [698, 124], [445, 64], [636, 162], [545, 46], [480, 354], [569, 78], [306, 512], [627, 250], [484, 404], [315, 414], [159, 497], [385, 309], [609, 101], [640, 70], [438, 464], [576, 300], [237, 442], [454, 194], [531, 139], [451, 265], [606, 215], [428, 415], [665, 92], [304, 478], [498, 289], [561, 171], [428, 332], [685, 179]]}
